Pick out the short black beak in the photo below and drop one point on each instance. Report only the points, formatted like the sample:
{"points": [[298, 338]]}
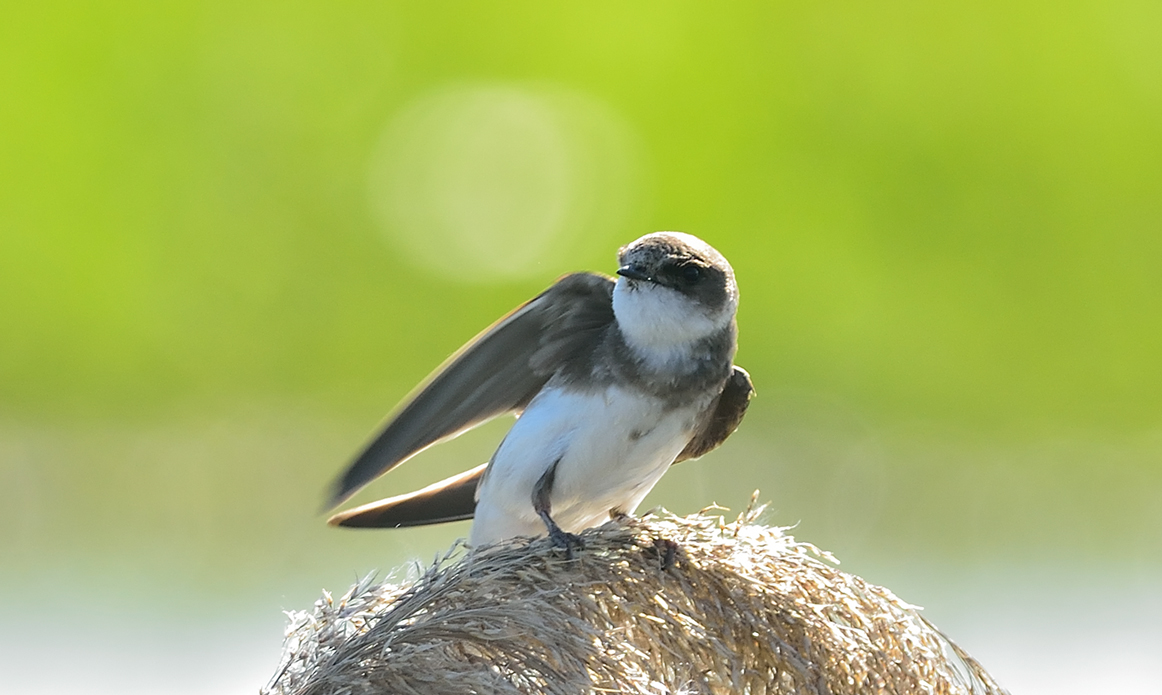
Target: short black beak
{"points": [[633, 273]]}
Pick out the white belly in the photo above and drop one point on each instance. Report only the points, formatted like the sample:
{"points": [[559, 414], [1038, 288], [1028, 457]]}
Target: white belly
{"points": [[610, 448]]}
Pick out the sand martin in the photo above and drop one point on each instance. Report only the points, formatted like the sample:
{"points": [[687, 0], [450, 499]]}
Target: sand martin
{"points": [[612, 381]]}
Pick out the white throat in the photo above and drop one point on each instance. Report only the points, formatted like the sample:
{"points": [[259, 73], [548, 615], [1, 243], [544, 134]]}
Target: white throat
{"points": [[660, 324]]}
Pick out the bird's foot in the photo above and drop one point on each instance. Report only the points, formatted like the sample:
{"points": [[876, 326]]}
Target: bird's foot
{"points": [[562, 539], [667, 551], [569, 542]]}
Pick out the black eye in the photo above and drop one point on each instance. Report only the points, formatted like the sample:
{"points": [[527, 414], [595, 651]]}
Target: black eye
{"points": [[690, 274]]}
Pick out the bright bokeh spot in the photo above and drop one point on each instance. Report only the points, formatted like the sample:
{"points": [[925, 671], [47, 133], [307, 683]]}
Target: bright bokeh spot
{"points": [[487, 182]]}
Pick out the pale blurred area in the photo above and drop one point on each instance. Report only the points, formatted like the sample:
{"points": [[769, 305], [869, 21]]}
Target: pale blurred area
{"points": [[233, 237], [200, 536]]}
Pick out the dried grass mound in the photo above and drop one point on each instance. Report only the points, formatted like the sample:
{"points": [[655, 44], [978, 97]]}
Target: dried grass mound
{"points": [[743, 608]]}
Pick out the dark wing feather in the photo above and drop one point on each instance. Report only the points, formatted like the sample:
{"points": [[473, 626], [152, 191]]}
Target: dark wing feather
{"points": [[452, 499], [498, 371], [725, 418]]}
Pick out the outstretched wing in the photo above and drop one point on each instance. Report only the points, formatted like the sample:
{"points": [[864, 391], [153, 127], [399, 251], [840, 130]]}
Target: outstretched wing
{"points": [[724, 420], [498, 371], [454, 499]]}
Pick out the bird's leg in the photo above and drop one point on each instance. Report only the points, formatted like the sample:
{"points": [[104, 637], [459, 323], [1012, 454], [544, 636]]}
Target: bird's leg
{"points": [[544, 507]]}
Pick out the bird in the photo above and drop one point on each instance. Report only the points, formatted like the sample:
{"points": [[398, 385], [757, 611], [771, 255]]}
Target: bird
{"points": [[612, 381]]}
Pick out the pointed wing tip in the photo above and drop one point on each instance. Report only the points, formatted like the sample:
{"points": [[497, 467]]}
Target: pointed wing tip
{"points": [[338, 493], [363, 516], [341, 519]]}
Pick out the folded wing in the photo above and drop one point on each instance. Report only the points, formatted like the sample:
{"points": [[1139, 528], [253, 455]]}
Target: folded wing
{"points": [[726, 417]]}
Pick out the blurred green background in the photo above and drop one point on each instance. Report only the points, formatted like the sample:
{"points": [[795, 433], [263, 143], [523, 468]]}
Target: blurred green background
{"points": [[234, 235]]}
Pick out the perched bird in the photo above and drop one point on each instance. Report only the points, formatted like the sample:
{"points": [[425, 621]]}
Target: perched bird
{"points": [[612, 382]]}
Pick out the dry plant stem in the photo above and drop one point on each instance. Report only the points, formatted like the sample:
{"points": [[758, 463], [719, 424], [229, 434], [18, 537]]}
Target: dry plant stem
{"points": [[746, 610]]}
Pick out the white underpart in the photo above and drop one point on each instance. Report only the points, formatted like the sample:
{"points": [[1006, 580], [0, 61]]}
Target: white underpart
{"points": [[660, 323], [610, 448]]}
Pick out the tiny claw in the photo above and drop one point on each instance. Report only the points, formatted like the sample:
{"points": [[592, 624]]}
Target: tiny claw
{"points": [[567, 541], [668, 551]]}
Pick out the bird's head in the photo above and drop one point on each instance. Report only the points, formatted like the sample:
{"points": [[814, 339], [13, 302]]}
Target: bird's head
{"points": [[673, 289]]}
